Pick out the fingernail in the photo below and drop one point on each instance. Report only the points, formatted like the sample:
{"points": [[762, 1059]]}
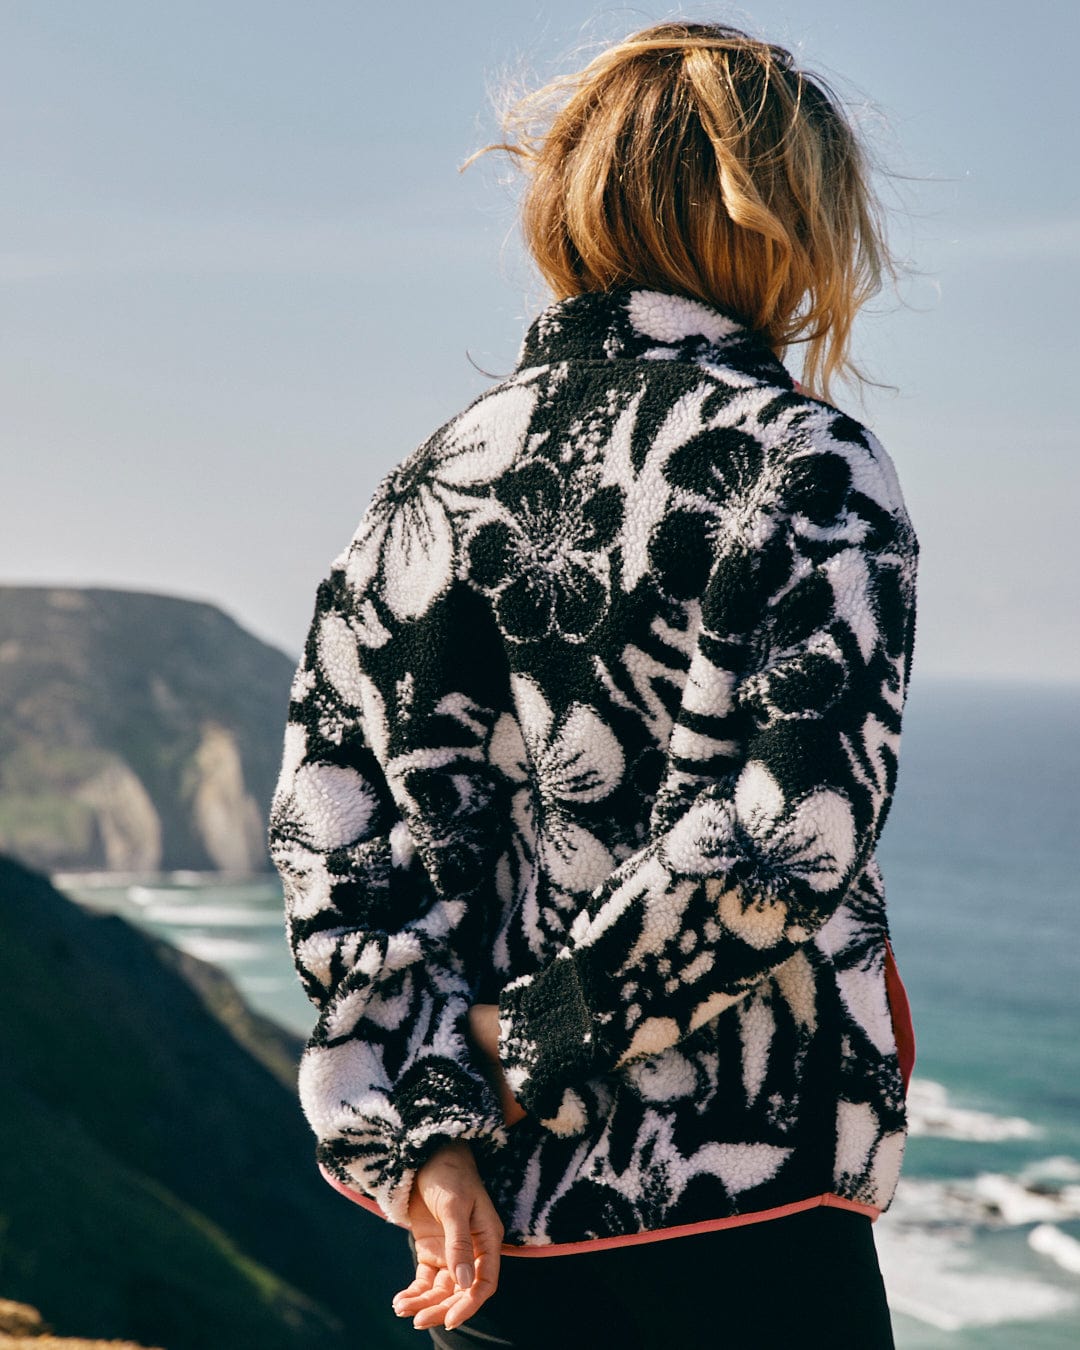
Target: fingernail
{"points": [[465, 1274]]}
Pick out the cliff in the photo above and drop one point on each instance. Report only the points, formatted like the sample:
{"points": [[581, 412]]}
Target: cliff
{"points": [[157, 1177], [23, 1328], [138, 732]]}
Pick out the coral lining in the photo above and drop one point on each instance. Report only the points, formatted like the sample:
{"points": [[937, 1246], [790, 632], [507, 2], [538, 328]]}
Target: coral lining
{"points": [[900, 1011], [652, 1235]]}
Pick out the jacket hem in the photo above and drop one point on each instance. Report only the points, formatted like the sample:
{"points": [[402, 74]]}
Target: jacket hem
{"points": [[829, 1198]]}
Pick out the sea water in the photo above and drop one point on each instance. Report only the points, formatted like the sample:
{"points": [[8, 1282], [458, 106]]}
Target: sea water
{"points": [[981, 856]]}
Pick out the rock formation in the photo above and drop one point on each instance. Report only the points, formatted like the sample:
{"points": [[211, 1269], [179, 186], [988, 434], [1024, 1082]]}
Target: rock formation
{"points": [[138, 732]]}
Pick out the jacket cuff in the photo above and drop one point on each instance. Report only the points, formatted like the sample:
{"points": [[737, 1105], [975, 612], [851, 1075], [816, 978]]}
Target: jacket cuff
{"points": [[549, 1043], [380, 1157]]}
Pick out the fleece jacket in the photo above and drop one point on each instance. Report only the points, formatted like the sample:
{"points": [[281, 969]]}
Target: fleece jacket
{"points": [[598, 719]]}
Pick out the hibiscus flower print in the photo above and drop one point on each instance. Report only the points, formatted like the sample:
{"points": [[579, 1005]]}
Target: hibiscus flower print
{"points": [[544, 559], [776, 847], [575, 760], [722, 491], [811, 840], [408, 539]]}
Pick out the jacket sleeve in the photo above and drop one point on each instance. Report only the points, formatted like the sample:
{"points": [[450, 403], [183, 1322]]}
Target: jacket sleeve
{"points": [[389, 1072], [799, 679]]}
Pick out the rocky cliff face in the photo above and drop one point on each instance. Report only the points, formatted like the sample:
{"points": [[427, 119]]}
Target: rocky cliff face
{"points": [[138, 732], [157, 1177]]}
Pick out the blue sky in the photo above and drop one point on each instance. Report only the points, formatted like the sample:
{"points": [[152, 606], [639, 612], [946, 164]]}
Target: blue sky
{"points": [[242, 277]]}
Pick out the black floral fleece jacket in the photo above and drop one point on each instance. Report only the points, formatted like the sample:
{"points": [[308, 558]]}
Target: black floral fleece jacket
{"points": [[598, 718]]}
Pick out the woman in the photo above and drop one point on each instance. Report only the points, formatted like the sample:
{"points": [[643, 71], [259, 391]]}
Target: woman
{"points": [[592, 741]]}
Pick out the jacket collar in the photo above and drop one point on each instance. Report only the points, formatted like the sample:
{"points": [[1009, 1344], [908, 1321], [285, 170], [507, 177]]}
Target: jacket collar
{"points": [[633, 322]]}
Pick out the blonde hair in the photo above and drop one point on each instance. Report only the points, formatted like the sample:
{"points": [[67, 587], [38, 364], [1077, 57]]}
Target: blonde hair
{"points": [[695, 159]]}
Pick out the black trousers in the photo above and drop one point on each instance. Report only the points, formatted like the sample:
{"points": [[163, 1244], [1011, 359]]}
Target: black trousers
{"points": [[809, 1279]]}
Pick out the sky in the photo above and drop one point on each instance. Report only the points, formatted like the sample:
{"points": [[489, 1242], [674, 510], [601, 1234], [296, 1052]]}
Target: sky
{"points": [[242, 277]]}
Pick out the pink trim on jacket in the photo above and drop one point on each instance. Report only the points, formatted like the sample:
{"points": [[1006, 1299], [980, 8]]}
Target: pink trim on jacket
{"points": [[652, 1235], [904, 1032]]}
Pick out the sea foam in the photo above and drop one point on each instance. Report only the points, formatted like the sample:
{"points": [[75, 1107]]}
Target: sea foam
{"points": [[934, 1262], [933, 1278], [213, 916], [930, 1113], [1049, 1241], [216, 949], [988, 1200]]}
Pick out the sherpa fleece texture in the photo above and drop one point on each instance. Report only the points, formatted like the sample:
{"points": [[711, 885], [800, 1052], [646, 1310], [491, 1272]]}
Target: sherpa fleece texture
{"points": [[598, 717]]}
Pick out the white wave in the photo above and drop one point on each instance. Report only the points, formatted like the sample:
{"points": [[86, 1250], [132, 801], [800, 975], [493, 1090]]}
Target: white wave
{"points": [[146, 895], [214, 916], [1015, 1203], [181, 879], [934, 1260], [216, 889], [933, 1278], [266, 984], [930, 1114], [93, 880], [1049, 1241], [1049, 1171], [989, 1200], [217, 949]]}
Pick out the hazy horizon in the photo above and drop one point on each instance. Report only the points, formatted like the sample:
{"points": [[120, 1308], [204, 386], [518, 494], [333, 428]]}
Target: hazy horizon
{"points": [[243, 278]]}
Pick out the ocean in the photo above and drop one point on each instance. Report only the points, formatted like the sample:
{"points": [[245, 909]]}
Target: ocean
{"points": [[981, 857]]}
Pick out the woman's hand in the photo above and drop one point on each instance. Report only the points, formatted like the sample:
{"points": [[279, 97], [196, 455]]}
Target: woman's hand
{"points": [[484, 1027], [454, 1223], [458, 1236]]}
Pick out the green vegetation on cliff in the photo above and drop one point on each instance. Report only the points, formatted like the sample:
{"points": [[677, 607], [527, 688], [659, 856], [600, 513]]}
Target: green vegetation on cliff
{"points": [[157, 1178]]}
